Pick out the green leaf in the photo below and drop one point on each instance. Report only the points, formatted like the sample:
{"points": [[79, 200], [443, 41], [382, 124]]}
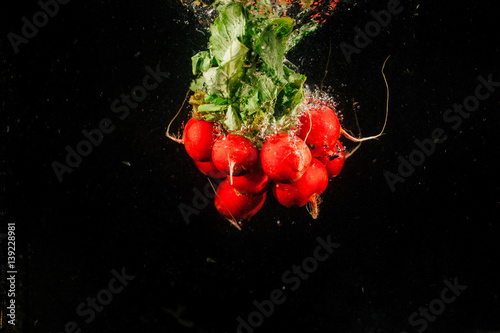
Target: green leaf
{"points": [[197, 84], [216, 81], [243, 75], [251, 104], [229, 25], [232, 121], [271, 45], [219, 80], [247, 97], [213, 98], [290, 97], [201, 62], [300, 33], [233, 62], [297, 79], [235, 54], [210, 107]]}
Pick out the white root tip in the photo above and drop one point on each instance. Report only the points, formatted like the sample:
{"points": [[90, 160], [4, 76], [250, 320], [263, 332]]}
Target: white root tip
{"points": [[234, 223], [313, 206]]}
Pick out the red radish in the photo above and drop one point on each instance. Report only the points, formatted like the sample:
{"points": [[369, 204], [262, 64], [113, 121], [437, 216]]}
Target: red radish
{"points": [[320, 128], [305, 190], [285, 157], [209, 169], [234, 154], [254, 182], [198, 138], [236, 206], [334, 160]]}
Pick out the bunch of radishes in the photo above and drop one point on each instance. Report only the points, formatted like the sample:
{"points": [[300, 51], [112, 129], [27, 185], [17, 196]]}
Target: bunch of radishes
{"points": [[296, 164], [254, 122]]}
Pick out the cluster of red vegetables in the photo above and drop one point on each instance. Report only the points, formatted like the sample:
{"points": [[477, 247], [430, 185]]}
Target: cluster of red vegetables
{"points": [[296, 165]]}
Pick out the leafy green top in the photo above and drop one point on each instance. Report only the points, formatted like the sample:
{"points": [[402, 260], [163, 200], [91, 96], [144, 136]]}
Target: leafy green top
{"points": [[247, 87]]}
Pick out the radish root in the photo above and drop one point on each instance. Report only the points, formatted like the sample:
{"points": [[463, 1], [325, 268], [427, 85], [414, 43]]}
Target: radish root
{"points": [[177, 138], [313, 205], [352, 138]]}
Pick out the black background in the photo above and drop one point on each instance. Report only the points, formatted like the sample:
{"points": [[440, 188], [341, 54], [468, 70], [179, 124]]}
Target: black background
{"points": [[396, 247]]}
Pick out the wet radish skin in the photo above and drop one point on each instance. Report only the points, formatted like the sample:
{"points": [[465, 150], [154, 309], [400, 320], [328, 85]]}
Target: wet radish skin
{"points": [[198, 137], [209, 169], [285, 158], [333, 160], [232, 204], [311, 184], [323, 128], [255, 182], [237, 150]]}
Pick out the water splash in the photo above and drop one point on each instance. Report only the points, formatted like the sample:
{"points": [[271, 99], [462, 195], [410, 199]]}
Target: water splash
{"points": [[313, 12]]}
